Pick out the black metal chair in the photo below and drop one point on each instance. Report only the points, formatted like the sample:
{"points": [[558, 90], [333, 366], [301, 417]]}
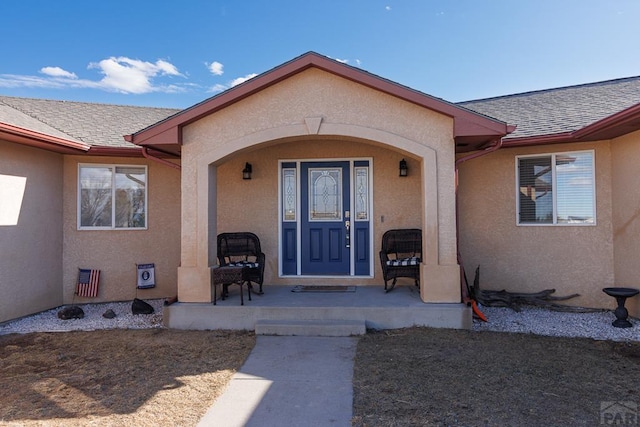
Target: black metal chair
{"points": [[401, 255], [242, 249]]}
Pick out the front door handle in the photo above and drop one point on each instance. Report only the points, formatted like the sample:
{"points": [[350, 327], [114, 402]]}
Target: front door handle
{"points": [[347, 225]]}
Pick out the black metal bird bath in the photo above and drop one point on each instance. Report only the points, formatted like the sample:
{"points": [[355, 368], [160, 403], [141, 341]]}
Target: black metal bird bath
{"points": [[621, 295]]}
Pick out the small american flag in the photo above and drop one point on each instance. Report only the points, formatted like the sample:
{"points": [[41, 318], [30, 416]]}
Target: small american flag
{"points": [[88, 283]]}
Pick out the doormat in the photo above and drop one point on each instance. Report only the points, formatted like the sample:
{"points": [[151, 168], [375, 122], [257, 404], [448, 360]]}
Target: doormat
{"points": [[312, 288]]}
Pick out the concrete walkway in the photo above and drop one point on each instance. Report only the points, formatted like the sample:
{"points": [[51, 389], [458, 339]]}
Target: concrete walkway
{"points": [[290, 381]]}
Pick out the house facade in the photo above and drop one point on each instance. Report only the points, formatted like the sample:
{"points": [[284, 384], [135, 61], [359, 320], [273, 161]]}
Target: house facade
{"points": [[42, 241], [556, 207], [324, 142]]}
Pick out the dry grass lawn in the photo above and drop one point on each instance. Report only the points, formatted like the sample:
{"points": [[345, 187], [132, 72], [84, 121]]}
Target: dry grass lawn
{"points": [[148, 377], [409, 377], [438, 377]]}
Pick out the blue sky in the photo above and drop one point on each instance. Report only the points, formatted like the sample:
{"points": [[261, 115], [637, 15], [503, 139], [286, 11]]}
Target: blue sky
{"points": [[177, 53]]}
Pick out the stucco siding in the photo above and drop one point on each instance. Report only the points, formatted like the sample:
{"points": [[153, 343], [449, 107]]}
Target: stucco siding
{"points": [[31, 230], [570, 259], [116, 252], [314, 93], [353, 120], [252, 205], [625, 153]]}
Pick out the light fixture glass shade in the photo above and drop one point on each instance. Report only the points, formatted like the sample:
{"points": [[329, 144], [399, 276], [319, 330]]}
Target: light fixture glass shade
{"points": [[403, 168], [246, 172]]}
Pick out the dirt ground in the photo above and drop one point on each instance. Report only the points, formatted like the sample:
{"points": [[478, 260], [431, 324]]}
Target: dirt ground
{"points": [[150, 377], [408, 377], [437, 377]]}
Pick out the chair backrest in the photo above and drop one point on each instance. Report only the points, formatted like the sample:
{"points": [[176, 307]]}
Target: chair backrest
{"points": [[403, 242], [238, 246]]}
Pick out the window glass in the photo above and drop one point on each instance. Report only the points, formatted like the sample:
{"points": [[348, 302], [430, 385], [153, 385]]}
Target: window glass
{"points": [[95, 196], [362, 193], [289, 193], [575, 188], [112, 197], [556, 189], [536, 190], [325, 197], [130, 197]]}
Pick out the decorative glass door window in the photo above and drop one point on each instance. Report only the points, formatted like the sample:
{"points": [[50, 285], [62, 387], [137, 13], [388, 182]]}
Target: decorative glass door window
{"points": [[362, 193], [289, 194], [325, 194]]}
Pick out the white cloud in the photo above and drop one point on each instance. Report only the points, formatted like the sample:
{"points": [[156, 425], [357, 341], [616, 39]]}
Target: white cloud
{"points": [[347, 61], [215, 68], [218, 88], [239, 80], [167, 68], [13, 80], [128, 75], [58, 72], [235, 82], [387, 7], [121, 74]]}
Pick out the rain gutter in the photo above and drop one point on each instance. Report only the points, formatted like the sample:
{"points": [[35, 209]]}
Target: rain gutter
{"points": [[145, 153]]}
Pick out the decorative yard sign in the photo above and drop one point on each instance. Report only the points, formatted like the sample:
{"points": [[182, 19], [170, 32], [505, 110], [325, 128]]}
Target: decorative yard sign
{"points": [[146, 276]]}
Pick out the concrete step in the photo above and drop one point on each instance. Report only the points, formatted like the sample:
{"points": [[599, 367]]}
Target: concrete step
{"points": [[311, 328]]}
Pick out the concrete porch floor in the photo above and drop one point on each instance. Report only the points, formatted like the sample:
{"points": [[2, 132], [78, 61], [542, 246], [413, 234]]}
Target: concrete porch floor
{"points": [[399, 308]]}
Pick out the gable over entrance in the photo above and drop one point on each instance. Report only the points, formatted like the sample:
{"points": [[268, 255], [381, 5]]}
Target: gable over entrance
{"points": [[316, 108], [471, 130]]}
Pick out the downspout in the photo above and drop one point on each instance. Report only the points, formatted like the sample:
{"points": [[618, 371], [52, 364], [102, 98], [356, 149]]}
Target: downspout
{"points": [[495, 145], [145, 153]]}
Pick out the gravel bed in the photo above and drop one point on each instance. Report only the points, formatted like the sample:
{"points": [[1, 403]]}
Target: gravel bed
{"points": [[47, 321], [540, 321], [530, 320]]}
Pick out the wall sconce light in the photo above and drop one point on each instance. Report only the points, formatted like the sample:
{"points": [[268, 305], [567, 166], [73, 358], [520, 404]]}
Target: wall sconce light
{"points": [[403, 168], [246, 172]]}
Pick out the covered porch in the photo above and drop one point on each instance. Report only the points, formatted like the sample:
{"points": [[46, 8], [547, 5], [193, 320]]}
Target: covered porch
{"points": [[309, 119], [321, 313]]}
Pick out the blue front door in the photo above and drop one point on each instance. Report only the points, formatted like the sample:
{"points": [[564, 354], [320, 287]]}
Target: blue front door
{"points": [[325, 218]]}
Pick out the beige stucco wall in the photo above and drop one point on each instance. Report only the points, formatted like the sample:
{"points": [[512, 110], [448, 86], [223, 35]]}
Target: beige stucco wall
{"points": [[253, 205], [285, 113], [116, 252], [570, 259], [625, 154], [31, 231]]}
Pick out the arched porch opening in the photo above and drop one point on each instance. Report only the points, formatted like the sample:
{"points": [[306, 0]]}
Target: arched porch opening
{"points": [[203, 212]]}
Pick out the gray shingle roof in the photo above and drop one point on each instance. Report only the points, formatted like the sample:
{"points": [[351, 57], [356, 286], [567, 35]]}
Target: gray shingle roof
{"points": [[560, 110], [96, 124], [544, 112]]}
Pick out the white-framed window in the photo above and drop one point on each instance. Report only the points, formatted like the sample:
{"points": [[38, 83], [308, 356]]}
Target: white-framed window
{"points": [[556, 189], [112, 197]]}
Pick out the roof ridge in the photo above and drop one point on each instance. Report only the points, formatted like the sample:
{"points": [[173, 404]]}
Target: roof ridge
{"points": [[538, 91]]}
